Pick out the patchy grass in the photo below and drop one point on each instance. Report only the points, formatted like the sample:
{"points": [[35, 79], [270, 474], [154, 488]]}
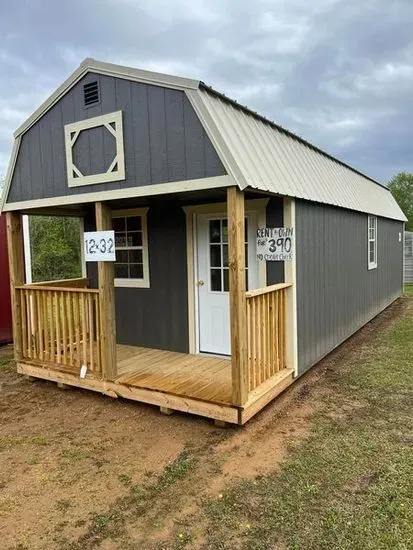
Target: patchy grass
{"points": [[6, 364], [408, 289], [111, 523], [350, 485]]}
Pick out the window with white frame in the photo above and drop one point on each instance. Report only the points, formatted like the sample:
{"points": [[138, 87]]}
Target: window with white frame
{"points": [[131, 244], [372, 242]]}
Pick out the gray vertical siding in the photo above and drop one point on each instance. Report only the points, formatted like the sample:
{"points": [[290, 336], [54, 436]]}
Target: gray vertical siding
{"points": [[164, 141], [408, 257], [275, 218], [156, 317], [336, 293]]}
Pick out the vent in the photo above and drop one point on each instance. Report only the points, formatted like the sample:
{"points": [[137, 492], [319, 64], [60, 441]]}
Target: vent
{"points": [[91, 93]]}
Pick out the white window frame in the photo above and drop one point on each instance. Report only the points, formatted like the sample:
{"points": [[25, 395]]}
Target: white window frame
{"points": [[116, 170], [145, 281], [372, 239]]}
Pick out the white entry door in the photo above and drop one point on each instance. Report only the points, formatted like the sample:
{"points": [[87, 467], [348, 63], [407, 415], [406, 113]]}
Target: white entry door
{"points": [[213, 279]]}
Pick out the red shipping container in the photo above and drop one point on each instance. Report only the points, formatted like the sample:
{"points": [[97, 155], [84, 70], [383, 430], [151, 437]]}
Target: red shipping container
{"points": [[6, 334]]}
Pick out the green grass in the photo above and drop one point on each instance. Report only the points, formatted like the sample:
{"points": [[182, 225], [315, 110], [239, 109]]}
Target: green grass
{"points": [[350, 485], [408, 289]]}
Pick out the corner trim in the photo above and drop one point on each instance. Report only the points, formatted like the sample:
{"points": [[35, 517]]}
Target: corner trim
{"points": [[290, 269]]}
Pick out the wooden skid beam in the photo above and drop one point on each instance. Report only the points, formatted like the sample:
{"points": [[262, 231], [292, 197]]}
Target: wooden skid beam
{"points": [[166, 401], [237, 298]]}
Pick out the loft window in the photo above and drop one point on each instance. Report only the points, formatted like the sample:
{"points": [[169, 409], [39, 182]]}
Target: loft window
{"points": [[372, 242], [91, 93], [131, 244]]}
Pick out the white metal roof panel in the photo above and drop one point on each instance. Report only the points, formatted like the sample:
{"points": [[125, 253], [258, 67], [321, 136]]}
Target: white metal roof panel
{"points": [[263, 156]]}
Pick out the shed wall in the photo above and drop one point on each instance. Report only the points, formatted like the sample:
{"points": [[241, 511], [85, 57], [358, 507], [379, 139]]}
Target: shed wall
{"points": [[408, 257], [164, 141], [336, 293], [275, 218], [156, 317]]}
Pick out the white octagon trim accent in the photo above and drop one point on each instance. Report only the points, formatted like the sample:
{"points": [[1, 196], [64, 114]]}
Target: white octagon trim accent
{"points": [[116, 171]]}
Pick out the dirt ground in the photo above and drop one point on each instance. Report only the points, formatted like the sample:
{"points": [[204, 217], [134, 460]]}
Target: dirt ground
{"points": [[72, 460]]}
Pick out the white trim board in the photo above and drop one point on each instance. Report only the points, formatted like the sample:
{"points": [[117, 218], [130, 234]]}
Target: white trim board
{"points": [[145, 282], [116, 170], [200, 184], [290, 276]]}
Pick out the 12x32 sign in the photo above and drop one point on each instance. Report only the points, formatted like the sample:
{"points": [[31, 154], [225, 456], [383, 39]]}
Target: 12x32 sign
{"points": [[99, 246], [275, 244]]}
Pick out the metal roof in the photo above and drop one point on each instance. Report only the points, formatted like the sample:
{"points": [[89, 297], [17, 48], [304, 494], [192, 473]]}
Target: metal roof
{"points": [[255, 151], [264, 156]]}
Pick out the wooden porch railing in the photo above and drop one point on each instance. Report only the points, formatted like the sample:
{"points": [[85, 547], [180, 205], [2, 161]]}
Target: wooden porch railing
{"points": [[265, 332], [61, 326]]}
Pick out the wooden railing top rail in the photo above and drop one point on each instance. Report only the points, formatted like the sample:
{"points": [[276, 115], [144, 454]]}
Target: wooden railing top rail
{"points": [[267, 289], [78, 282], [58, 289]]}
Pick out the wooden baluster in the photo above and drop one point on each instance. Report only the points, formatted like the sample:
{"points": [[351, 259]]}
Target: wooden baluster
{"points": [[71, 331], [45, 316], [52, 327], [84, 330], [276, 329], [282, 328], [58, 326], [23, 322], [77, 328], [251, 322], [64, 327], [89, 302], [34, 324], [39, 311], [250, 379], [29, 324], [97, 332]]}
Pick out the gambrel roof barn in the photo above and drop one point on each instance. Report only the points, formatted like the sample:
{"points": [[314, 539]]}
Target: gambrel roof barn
{"points": [[244, 254]]}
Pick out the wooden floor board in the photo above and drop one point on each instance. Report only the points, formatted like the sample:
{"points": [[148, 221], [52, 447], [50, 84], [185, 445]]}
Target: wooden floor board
{"points": [[196, 376]]}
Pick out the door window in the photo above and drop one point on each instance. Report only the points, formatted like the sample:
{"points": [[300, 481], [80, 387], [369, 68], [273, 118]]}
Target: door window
{"points": [[218, 255]]}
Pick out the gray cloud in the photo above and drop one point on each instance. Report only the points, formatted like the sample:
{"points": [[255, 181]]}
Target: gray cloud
{"points": [[337, 72]]}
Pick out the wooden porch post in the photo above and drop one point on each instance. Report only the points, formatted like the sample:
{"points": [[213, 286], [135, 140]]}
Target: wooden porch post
{"points": [[237, 299], [106, 285], [16, 267]]}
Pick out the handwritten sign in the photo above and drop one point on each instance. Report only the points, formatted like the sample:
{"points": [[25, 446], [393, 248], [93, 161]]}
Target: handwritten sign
{"points": [[275, 244], [99, 246]]}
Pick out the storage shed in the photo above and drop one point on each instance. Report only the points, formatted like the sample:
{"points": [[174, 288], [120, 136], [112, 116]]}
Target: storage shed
{"points": [[243, 254], [408, 257], [5, 309]]}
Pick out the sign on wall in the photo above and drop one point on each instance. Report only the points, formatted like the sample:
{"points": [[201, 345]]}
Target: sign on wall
{"points": [[275, 244], [99, 246]]}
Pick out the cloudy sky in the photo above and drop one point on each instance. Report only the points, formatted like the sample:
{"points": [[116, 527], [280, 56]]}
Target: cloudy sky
{"points": [[337, 72]]}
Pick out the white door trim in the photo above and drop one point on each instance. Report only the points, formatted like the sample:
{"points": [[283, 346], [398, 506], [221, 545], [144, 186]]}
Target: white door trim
{"points": [[252, 206]]}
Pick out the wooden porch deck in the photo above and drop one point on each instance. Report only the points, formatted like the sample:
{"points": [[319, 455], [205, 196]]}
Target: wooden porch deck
{"points": [[194, 384], [207, 378]]}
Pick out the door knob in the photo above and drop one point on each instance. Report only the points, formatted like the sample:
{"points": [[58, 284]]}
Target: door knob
{"points": [[200, 283]]}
